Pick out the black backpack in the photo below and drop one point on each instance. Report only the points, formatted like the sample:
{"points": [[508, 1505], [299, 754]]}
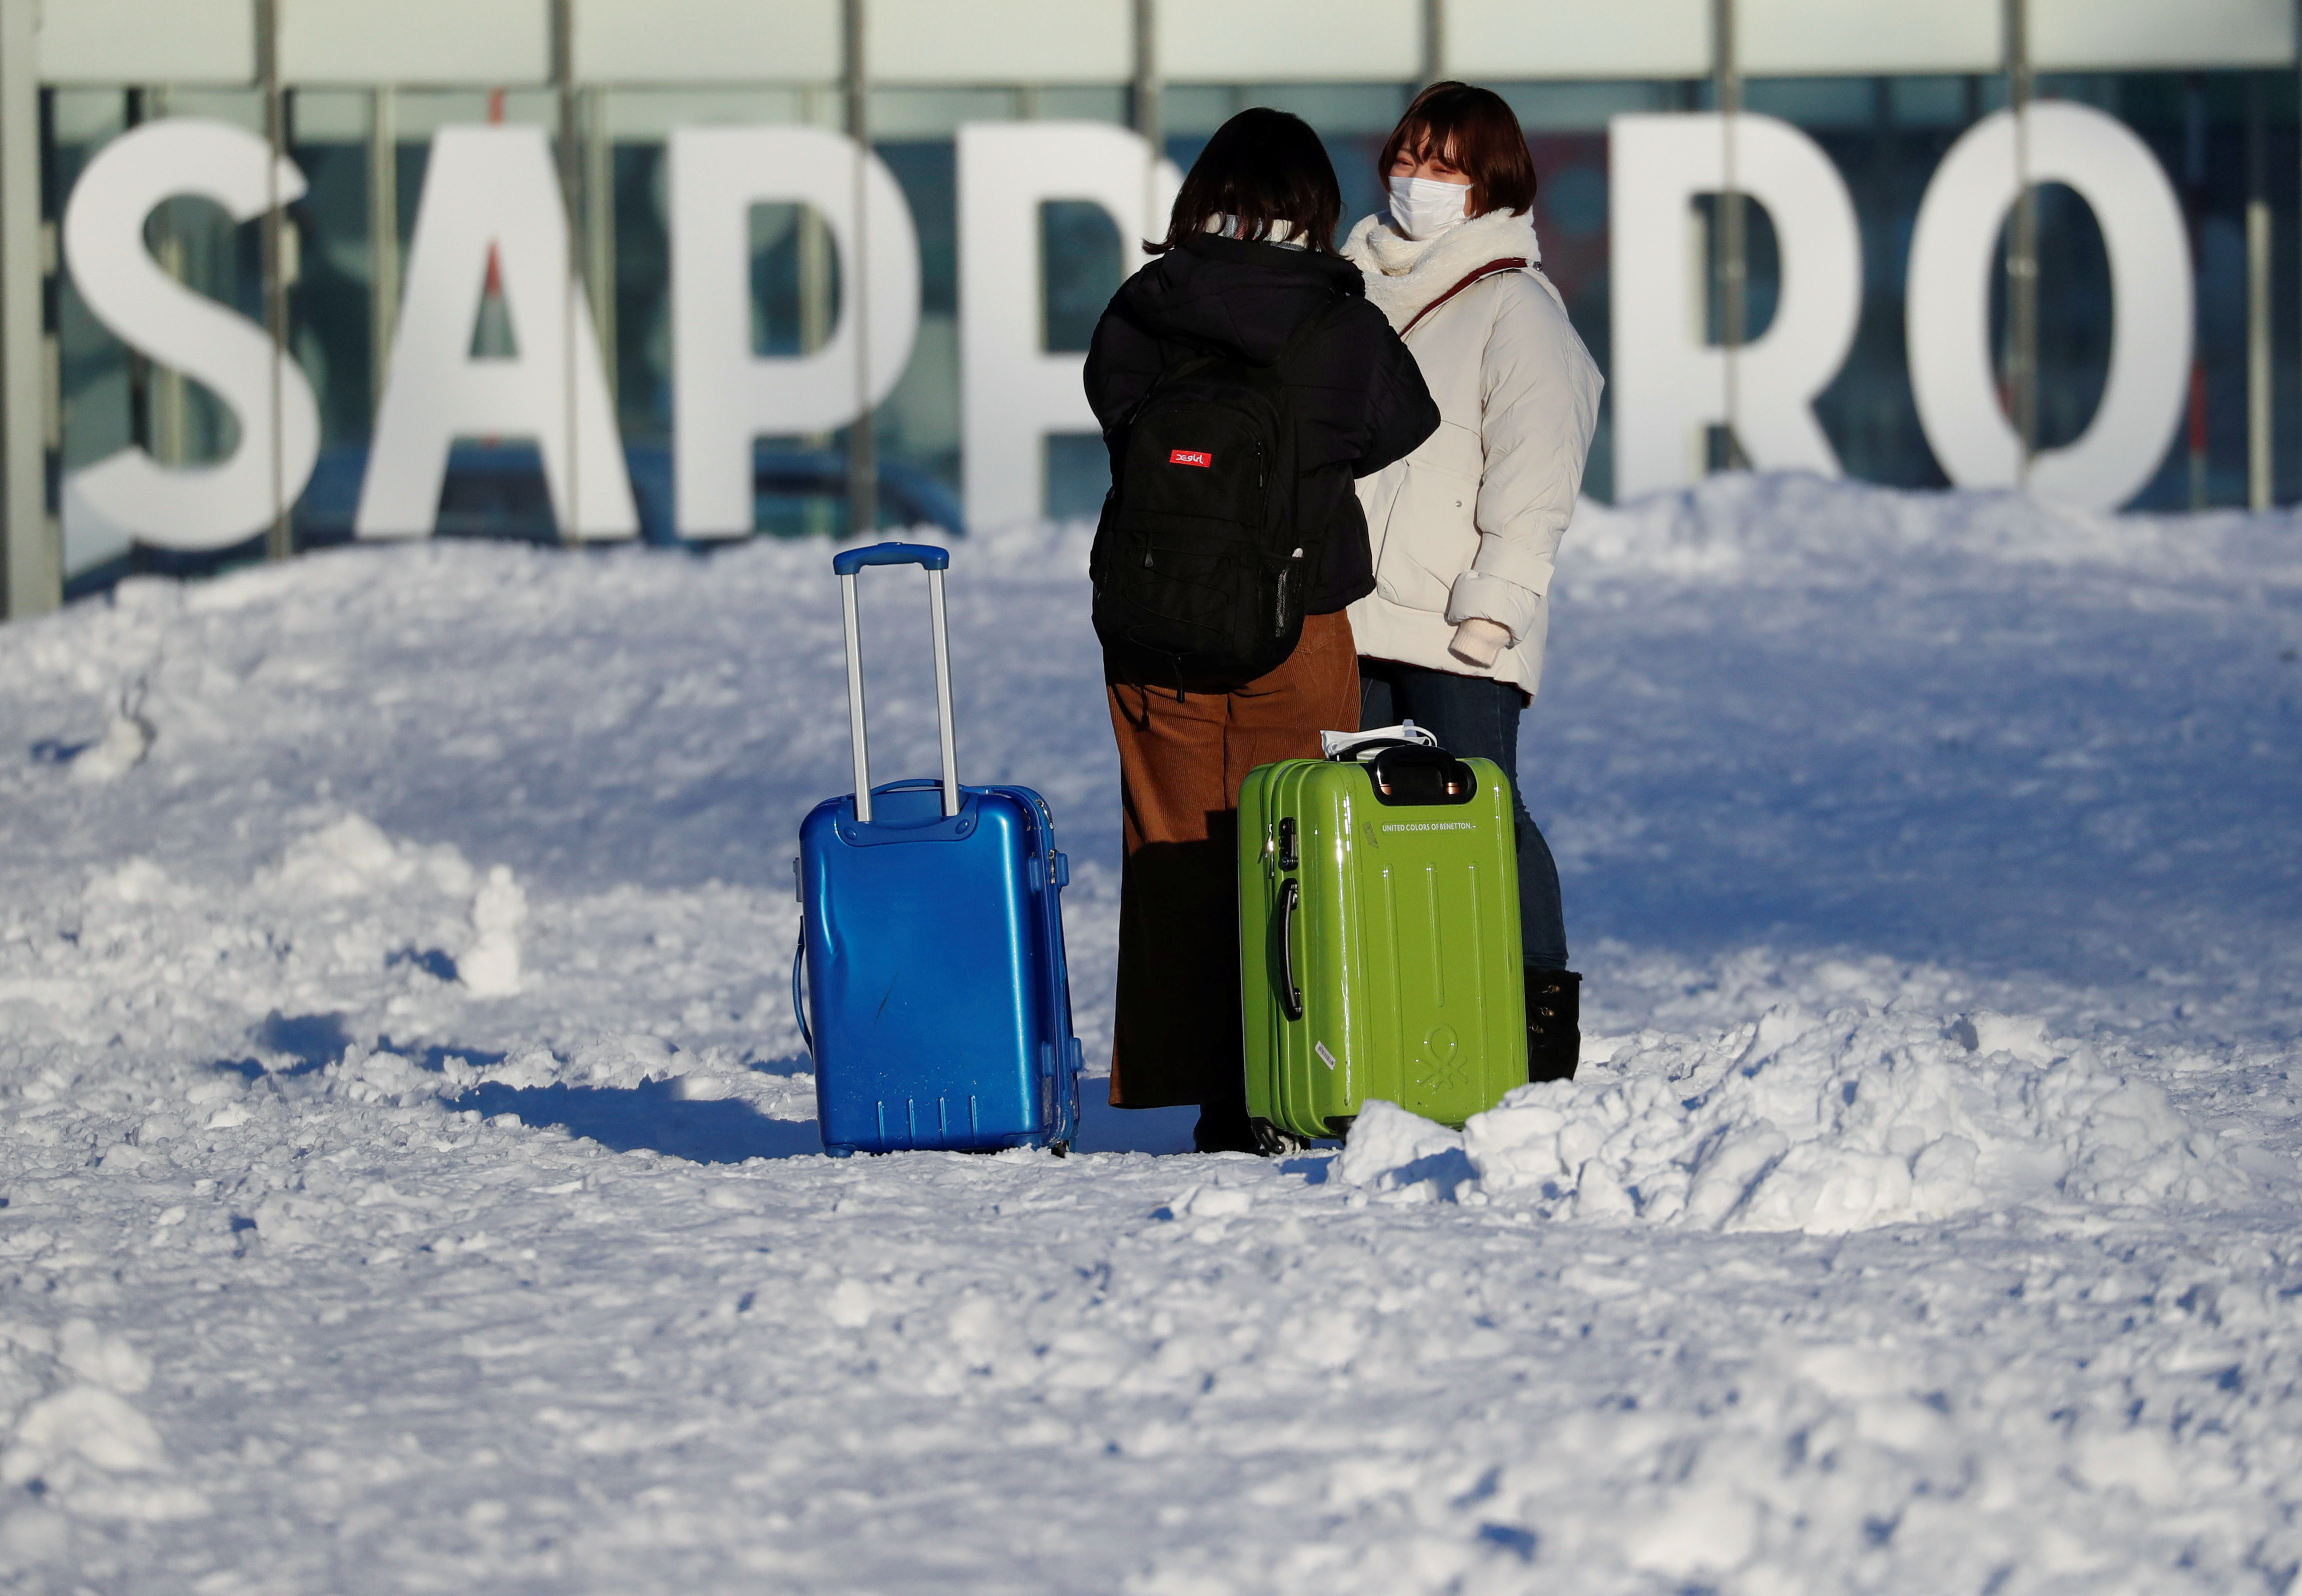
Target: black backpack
{"points": [[1198, 564]]}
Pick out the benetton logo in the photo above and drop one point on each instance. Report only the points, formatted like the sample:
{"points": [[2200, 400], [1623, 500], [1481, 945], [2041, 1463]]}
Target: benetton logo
{"points": [[1189, 456]]}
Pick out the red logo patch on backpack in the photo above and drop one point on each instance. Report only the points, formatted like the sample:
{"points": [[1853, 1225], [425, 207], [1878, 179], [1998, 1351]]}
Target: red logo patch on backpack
{"points": [[1189, 456]]}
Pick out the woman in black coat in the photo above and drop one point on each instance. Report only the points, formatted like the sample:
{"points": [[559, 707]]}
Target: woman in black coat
{"points": [[1247, 264]]}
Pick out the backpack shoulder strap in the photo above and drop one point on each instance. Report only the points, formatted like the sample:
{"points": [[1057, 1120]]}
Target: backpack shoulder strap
{"points": [[1493, 268], [1170, 372], [1174, 371]]}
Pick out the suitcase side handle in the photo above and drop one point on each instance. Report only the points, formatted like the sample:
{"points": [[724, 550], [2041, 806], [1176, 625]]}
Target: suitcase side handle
{"points": [[1291, 994], [847, 563], [799, 995]]}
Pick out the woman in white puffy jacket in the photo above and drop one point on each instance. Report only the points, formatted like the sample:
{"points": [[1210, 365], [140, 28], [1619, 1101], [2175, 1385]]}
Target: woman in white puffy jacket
{"points": [[1466, 529]]}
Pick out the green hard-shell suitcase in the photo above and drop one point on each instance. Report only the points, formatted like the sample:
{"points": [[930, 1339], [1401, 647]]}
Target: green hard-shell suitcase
{"points": [[1379, 941]]}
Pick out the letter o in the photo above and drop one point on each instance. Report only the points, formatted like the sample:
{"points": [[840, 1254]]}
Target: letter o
{"points": [[1953, 252]]}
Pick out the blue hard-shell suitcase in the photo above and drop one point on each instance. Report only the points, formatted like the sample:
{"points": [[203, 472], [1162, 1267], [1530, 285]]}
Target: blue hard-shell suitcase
{"points": [[929, 981]]}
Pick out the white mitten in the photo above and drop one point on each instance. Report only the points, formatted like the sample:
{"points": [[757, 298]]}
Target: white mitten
{"points": [[1478, 641]]}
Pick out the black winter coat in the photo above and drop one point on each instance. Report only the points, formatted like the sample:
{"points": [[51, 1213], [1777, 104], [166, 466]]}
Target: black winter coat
{"points": [[1357, 395]]}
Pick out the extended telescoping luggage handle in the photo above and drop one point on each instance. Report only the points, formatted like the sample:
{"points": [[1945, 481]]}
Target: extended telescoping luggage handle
{"points": [[847, 563]]}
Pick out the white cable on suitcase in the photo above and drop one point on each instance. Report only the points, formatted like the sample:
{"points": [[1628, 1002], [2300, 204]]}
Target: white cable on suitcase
{"points": [[1335, 746]]}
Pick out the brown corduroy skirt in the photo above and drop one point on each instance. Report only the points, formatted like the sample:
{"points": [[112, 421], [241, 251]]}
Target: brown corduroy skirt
{"points": [[1182, 757]]}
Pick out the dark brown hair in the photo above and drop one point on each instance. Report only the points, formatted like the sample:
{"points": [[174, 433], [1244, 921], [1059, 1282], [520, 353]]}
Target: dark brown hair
{"points": [[1269, 169], [1475, 129]]}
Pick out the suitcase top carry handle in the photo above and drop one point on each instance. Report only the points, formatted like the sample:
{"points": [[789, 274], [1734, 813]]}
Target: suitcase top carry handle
{"points": [[847, 563], [1363, 752], [1416, 774]]}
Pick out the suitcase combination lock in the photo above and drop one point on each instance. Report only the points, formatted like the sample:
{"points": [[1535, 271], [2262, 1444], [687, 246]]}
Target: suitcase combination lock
{"points": [[1287, 857]]}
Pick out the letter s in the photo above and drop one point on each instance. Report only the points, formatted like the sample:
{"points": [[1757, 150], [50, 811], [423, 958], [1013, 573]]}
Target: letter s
{"points": [[188, 506]]}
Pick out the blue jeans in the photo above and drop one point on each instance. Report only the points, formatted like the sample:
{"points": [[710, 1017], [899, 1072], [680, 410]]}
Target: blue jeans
{"points": [[1476, 717]]}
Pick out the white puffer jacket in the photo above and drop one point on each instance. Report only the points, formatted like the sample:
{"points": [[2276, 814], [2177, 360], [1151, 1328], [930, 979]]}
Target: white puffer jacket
{"points": [[1468, 525]]}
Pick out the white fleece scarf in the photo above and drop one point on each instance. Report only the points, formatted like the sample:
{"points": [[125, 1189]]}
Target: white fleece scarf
{"points": [[1405, 274]]}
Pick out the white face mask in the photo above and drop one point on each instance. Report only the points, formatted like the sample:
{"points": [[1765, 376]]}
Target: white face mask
{"points": [[1424, 209]]}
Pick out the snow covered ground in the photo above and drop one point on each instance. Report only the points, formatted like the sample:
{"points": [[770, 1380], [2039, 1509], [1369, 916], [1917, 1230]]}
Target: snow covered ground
{"points": [[411, 1181]]}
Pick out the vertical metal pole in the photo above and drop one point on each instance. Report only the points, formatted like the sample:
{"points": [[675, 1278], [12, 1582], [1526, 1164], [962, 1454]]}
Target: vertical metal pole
{"points": [[280, 542], [942, 694], [1434, 41], [862, 463], [31, 573], [2022, 251], [571, 184], [1701, 282], [135, 111], [1143, 107], [856, 699], [815, 264], [382, 238], [599, 228], [2195, 199], [1732, 261], [164, 385], [2261, 441], [1881, 415], [818, 515]]}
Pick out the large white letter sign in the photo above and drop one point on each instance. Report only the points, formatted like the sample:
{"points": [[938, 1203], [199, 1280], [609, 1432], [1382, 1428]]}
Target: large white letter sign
{"points": [[724, 395], [1954, 256], [492, 189], [1012, 392], [188, 506], [1669, 384]]}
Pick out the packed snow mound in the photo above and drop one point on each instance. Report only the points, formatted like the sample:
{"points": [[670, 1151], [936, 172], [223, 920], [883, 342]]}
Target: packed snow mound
{"points": [[1844, 1121], [1792, 528], [70, 1428], [1390, 1149], [352, 858]]}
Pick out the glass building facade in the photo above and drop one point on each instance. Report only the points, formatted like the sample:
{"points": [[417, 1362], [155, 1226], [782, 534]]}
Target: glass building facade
{"points": [[2227, 136]]}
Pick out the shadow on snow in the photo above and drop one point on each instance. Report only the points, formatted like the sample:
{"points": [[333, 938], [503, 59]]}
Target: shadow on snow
{"points": [[650, 1115]]}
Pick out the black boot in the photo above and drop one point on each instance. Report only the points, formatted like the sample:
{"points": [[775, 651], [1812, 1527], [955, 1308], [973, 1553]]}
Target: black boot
{"points": [[1554, 1018], [1224, 1128]]}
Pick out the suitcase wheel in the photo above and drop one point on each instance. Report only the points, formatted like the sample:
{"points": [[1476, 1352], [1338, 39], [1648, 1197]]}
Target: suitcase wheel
{"points": [[1339, 1127], [1273, 1142], [830, 1150], [1060, 1149]]}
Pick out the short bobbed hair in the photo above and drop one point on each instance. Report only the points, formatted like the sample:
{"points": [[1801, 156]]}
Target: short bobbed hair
{"points": [[1269, 169], [1477, 132]]}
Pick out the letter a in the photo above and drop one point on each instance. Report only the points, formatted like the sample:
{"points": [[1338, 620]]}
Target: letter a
{"points": [[492, 188]]}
